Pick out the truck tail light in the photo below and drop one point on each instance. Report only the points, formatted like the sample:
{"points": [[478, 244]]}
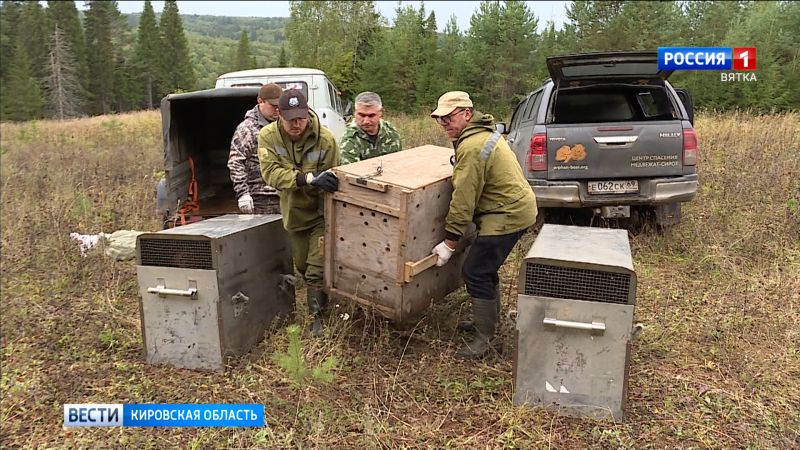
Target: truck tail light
{"points": [[537, 152], [689, 147]]}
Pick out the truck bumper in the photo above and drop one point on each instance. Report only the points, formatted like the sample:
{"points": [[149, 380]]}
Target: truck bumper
{"points": [[652, 191]]}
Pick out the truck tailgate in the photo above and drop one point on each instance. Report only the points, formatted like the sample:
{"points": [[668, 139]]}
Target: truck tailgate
{"points": [[613, 151]]}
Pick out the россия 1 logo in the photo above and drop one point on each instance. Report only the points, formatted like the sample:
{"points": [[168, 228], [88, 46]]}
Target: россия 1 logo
{"points": [[741, 59]]}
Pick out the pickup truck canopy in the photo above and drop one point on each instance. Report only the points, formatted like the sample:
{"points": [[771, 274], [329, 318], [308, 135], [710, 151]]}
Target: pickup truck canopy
{"points": [[606, 67]]}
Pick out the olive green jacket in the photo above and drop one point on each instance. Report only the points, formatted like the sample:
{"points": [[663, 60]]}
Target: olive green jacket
{"points": [[282, 160], [488, 185]]}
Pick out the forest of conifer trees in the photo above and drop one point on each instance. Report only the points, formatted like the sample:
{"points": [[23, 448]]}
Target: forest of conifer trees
{"points": [[59, 62]]}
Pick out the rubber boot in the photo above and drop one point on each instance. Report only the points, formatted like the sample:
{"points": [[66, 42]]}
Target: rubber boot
{"points": [[317, 301], [484, 313], [469, 324]]}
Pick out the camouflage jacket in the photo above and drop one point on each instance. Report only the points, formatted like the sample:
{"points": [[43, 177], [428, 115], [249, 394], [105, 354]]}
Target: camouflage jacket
{"points": [[243, 159], [355, 145]]}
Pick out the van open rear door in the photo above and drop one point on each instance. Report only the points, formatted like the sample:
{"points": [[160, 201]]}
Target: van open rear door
{"points": [[197, 128]]}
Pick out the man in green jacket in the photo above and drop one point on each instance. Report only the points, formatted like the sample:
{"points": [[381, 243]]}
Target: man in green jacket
{"points": [[368, 135], [295, 154], [490, 190]]}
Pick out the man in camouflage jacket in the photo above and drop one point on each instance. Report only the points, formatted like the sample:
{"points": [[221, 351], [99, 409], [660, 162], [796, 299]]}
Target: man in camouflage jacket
{"points": [[368, 135], [252, 194]]}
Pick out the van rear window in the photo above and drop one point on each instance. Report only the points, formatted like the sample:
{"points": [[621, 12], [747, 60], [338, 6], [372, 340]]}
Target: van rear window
{"points": [[283, 84], [612, 104], [246, 85]]}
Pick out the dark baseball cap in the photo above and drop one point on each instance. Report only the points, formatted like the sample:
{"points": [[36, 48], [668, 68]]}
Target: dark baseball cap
{"points": [[293, 105], [271, 93]]}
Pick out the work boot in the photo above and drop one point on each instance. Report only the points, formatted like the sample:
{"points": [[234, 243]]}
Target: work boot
{"points": [[317, 301], [469, 324], [484, 313]]}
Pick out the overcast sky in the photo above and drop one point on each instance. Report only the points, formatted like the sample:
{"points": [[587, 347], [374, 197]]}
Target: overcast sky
{"points": [[544, 11]]}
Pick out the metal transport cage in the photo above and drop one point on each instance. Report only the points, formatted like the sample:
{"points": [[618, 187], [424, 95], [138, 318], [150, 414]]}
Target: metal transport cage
{"points": [[210, 289], [577, 290]]}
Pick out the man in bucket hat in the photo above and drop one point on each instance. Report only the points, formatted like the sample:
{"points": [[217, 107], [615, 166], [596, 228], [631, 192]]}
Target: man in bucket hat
{"points": [[490, 190], [252, 194], [296, 153]]}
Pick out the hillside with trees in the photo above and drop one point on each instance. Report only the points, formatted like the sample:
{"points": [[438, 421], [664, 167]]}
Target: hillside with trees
{"points": [[61, 62], [216, 44]]}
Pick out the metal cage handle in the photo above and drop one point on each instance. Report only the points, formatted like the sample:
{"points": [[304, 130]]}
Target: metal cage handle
{"points": [[162, 290], [594, 327]]}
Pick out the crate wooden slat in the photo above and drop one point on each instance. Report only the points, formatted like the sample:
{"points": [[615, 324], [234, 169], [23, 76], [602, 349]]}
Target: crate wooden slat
{"points": [[380, 230]]}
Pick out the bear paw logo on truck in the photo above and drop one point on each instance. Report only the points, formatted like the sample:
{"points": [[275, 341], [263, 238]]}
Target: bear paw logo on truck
{"points": [[565, 153]]}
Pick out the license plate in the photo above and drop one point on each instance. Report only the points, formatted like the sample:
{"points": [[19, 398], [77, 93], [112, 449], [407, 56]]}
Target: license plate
{"points": [[613, 187]]}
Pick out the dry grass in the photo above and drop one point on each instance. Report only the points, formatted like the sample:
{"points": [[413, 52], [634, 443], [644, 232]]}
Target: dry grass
{"points": [[717, 366]]}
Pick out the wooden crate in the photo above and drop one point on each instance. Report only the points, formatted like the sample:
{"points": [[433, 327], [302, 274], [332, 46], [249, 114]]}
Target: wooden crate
{"points": [[380, 229]]}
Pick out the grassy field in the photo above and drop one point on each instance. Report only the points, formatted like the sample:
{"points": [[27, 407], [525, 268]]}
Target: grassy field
{"points": [[716, 366]]}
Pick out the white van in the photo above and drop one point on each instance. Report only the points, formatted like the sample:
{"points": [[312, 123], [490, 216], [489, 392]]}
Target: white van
{"points": [[323, 97]]}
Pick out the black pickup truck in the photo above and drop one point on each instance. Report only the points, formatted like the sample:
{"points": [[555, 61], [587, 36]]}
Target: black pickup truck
{"points": [[609, 134]]}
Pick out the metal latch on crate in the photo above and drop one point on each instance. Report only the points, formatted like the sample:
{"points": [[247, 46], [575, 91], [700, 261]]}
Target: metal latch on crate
{"points": [[162, 290], [367, 180]]}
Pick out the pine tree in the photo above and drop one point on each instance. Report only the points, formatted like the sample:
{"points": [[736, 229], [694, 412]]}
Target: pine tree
{"points": [[177, 61], [404, 54], [127, 93], [769, 25], [283, 59], [519, 40], [376, 72], [101, 18], [706, 25], [315, 21], [244, 58], [451, 50], [148, 57], [708, 22], [297, 369], [22, 98], [427, 79], [549, 43], [9, 23], [34, 24], [787, 51], [483, 45], [595, 25], [64, 15], [499, 47], [647, 26], [62, 87]]}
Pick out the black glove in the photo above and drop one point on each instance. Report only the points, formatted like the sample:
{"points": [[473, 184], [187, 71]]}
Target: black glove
{"points": [[326, 181]]}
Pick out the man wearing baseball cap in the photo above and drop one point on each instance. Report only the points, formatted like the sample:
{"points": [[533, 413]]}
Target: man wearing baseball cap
{"points": [[490, 190], [295, 154], [252, 194]]}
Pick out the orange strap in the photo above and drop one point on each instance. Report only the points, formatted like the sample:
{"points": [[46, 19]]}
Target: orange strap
{"points": [[191, 204]]}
